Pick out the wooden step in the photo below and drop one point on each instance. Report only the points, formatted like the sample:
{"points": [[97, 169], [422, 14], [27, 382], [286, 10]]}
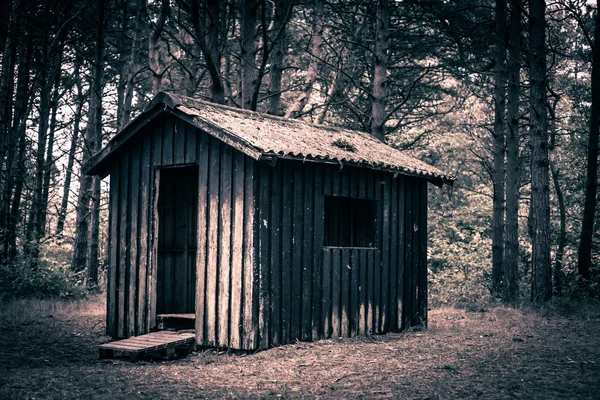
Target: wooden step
{"points": [[164, 344], [175, 321]]}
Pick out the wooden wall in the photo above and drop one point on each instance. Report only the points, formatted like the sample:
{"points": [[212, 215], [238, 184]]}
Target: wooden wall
{"points": [[307, 291], [263, 277], [225, 213]]}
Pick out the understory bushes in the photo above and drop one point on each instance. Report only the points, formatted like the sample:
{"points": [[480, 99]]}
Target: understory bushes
{"points": [[49, 276]]}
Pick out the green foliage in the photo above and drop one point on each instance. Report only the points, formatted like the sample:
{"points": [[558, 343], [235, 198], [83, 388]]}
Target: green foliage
{"points": [[20, 280], [47, 277]]}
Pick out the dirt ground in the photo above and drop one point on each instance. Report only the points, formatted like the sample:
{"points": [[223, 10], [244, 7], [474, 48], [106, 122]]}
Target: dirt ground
{"points": [[49, 351]]}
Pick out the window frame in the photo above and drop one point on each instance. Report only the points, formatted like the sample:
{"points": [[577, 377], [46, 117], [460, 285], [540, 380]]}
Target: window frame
{"points": [[373, 206]]}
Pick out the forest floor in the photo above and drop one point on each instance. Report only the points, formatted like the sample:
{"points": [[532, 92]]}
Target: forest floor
{"points": [[49, 350]]}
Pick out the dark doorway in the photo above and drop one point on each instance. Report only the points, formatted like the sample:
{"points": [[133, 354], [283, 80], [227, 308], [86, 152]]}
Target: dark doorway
{"points": [[177, 240]]}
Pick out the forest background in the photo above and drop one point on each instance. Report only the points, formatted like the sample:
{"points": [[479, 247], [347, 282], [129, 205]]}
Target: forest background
{"points": [[498, 94]]}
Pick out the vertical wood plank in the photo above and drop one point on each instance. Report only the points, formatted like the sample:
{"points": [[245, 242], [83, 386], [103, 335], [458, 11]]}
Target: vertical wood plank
{"points": [[179, 142], [362, 183], [326, 310], [224, 266], [167, 141], [123, 243], [213, 242], [307, 270], [264, 254], [408, 234], [327, 180], [113, 271], [297, 252], [415, 249], [318, 223], [152, 279], [237, 241], [286, 251], [249, 320], [385, 255], [202, 152], [392, 310], [154, 259], [191, 143], [400, 254], [423, 252], [354, 291], [132, 281], [370, 324], [275, 248], [362, 301], [144, 234], [345, 292], [336, 292]]}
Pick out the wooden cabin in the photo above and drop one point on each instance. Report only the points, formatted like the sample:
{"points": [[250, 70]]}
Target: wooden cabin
{"points": [[262, 230]]}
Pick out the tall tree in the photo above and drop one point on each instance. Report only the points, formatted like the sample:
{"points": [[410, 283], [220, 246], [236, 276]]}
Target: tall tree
{"points": [[207, 39], [316, 47], [511, 244], [281, 13], [82, 225], [498, 150], [380, 70], [153, 49], [541, 290], [584, 254], [62, 212], [562, 234], [248, 71]]}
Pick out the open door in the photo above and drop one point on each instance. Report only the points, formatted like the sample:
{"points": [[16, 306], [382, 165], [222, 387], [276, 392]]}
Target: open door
{"points": [[177, 240]]}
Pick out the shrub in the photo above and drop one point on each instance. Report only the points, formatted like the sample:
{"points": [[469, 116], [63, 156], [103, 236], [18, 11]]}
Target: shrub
{"points": [[42, 279]]}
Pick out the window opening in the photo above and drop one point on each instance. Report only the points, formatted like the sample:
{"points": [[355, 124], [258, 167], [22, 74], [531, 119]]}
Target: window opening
{"points": [[350, 222]]}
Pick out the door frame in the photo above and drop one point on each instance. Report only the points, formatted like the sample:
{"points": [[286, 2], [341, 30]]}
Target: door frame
{"points": [[154, 221]]}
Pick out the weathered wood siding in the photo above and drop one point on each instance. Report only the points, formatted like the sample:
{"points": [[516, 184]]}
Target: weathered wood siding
{"points": [[223, 248], [308, 291], [263, 276]]}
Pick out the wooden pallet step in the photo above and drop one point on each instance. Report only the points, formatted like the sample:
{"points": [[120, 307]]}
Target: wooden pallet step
{"points": [[163, 343]]}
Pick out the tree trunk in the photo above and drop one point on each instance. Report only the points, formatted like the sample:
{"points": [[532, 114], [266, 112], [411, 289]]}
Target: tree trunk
{"points": [[80, 247], [378, 113], [134, 66], [33, 224], [316, 47], [62, 213], [248, 53], [278, 52], [210, 48], [153, 53], [540, 186], [8, 135], [562, 235], [498, 150], [124, 65], [49, 163], [16, 173], [511, 244], [584, 254], [7, 79]]}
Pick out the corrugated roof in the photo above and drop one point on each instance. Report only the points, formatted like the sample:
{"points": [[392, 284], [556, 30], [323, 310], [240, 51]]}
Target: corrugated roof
{"points": [[261, 135]]}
